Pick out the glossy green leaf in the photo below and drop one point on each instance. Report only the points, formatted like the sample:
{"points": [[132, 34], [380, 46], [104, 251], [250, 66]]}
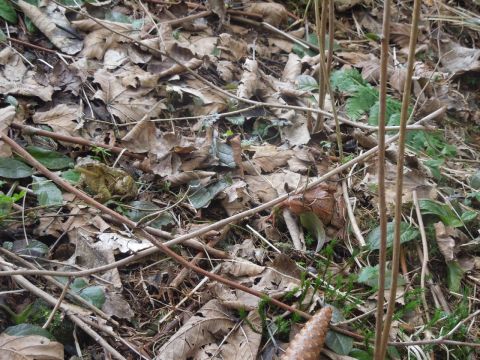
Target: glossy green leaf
{"points": [[306, 83], [474, 180], [469, 215], [28, 329], [48, 194], [408, 233], [369, 276], [72, 176], [454, 276], [443, 211], [314, 225], [202, 197], [7, 11], [53, 160], [33, 248], [14, 169], [95, 295], [339, 343], [138, 210]]}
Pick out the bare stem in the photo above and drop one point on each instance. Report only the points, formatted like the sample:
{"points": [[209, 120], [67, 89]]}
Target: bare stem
{"points": [[382, 207], [399, 186]]}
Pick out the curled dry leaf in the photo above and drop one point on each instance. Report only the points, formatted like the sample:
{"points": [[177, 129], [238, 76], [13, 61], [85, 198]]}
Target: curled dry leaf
{"points": [[6, 117], [274, 14], [308, 343], [248, 82]]}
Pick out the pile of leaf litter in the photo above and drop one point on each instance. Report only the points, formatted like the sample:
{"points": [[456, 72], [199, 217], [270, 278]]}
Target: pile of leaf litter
{"points": [[129, 123]]}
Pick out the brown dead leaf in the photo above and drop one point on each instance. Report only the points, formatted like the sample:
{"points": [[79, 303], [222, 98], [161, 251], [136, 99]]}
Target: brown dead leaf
{"points": [[218, 8], [412, 180], [141, 138], [46, 20], [206, 330], [128, 104], [457, 60], [64, 119], [29, 347], [273, 13], [16, 79], [449, 240], [292, 68], [242, 268]]}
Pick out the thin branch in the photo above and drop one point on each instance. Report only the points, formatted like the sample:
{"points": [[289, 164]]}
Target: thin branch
{"points": [[57, 305], [423, 236]]}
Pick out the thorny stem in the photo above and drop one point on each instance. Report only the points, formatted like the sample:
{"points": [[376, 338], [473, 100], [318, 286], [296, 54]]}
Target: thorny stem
{"points": [[399, 185], [382, 207]]}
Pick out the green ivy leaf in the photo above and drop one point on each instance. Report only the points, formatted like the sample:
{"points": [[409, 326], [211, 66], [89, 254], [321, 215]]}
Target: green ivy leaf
{"points": [[53, 160], [34, 248], [14, 169], [339, 343], [28, 329], [454, 275], [474, 180], [306, 83], [443, 211], [48, 194], [137, 210], [202, 197], [95, 295], [7, 11], [408, 233], [314, 225]]}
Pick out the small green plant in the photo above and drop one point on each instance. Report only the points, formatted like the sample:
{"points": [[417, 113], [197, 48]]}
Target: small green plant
{"points": [[363, 99], [101, 153], [6, 203]]}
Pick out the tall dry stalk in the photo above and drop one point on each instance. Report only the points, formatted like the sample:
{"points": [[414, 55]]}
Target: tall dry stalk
{"points": [[399, 186], [382, 207], [321, 29]]}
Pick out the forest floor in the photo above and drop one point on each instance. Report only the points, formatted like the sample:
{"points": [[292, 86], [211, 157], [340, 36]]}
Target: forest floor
{"points": [[169, 188]]}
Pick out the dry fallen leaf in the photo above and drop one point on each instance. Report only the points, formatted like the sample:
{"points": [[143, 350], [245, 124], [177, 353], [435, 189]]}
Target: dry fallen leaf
{"points": [[29, 347], [206, 330]]}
